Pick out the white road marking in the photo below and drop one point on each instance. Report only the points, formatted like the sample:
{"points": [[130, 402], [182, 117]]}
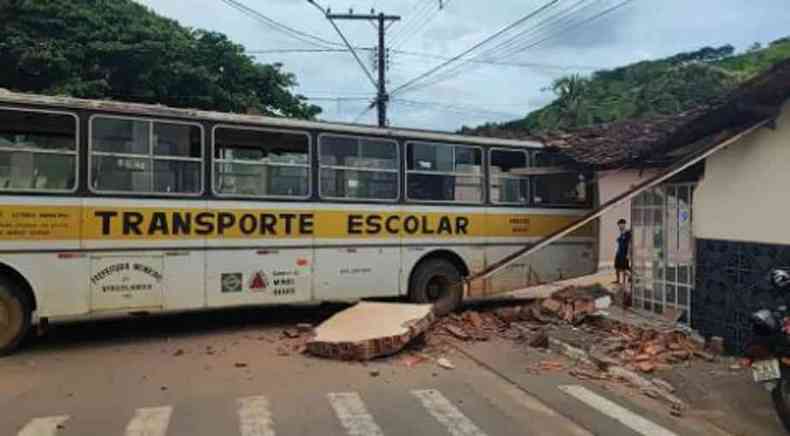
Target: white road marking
{"points": [[353, 415], [255, 418], [446, 413], [150, 421], [43, 426], [619, 413]]}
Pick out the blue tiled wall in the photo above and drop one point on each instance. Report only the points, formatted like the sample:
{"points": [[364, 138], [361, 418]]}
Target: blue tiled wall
{"points": [[731, 283]]}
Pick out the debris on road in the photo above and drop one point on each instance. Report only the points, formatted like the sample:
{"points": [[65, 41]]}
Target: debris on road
{"points": [[240, 365], [445, 363], [412, 360], [291, 333], [304, 327], [368, 330]]}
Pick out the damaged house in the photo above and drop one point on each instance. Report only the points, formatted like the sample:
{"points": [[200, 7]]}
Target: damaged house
{"points": [[707, 192]]}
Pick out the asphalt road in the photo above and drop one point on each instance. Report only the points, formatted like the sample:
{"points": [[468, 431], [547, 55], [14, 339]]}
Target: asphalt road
{"points": [[228, 373]]}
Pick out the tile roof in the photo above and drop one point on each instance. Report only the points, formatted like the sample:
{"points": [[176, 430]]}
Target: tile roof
{"points": [[645, 142]]}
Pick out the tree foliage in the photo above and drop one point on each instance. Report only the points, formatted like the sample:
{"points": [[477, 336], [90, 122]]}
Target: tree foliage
{"points": [[121, 50], [665, 86]]}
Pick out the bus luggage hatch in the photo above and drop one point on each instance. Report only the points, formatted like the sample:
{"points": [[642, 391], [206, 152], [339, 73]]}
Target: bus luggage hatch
{"points": [[126, 282]]}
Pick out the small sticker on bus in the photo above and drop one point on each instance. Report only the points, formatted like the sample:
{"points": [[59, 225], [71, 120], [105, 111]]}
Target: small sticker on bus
{"points": [[259, 282], [231, 282]]}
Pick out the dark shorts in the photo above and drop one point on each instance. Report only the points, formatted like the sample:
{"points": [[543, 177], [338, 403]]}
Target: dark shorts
{"points": [[621, 263]]}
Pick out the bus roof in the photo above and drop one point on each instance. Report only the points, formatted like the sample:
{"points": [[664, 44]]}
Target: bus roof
{"points": [[166, 111]]}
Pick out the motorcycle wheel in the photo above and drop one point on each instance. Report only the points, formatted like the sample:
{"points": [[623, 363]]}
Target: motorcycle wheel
{"points": [[781, 397]]}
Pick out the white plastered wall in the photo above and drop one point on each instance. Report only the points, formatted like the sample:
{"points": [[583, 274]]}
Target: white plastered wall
{"points": [[745, 194]]}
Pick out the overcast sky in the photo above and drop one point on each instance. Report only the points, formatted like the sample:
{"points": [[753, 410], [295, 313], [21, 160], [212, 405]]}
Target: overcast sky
{"points": [[643, 29]]}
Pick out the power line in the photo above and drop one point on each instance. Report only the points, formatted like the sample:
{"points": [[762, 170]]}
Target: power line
{"points": [[521, 36], [363, 113], [420, 9], [337, 98], [475, 47], [282, 28], [452, 108], [573, 26], [488, 54], [345, 41], [492, 53], [531, 43], [302, 50], [506, 64], [409, 32]]}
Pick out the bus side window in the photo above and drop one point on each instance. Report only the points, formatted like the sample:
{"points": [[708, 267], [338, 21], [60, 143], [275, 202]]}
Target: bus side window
{"points": [[358, 168], [261, 163], [508, 186], [141, 156], [444, 172], [38, 151], [567, 189]]}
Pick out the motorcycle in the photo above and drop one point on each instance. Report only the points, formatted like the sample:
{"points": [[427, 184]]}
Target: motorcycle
{"points": [[770, 351]]}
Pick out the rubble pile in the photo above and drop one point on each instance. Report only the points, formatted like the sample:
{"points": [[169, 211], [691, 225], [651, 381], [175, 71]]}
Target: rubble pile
{"points": [[526, 321], [646, 350], [573, 311]]}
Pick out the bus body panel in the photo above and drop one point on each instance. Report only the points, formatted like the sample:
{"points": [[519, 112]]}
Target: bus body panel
{"points": [[140, 260], [259, 253], [357, 251]]}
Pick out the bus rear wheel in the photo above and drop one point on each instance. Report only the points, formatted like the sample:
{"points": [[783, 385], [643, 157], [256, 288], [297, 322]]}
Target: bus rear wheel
{"points": [[15, 315], [438, 282]]}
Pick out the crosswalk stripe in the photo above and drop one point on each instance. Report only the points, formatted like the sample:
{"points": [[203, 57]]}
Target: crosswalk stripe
{"points": [[150, 421], [255, 418], [353, 415], [614, 410], [446, 413], [43, 426]]}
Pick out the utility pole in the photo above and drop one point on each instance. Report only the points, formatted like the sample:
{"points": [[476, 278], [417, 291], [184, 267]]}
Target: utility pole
{"points": [[382, 98]]}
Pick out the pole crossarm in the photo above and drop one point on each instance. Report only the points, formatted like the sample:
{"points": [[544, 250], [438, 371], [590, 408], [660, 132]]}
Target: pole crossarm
{"points": [[381, 19]]}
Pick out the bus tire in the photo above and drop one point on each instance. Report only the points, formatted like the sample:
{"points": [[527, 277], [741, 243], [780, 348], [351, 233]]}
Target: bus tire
{"points": [[438, 282], [15, 316]]}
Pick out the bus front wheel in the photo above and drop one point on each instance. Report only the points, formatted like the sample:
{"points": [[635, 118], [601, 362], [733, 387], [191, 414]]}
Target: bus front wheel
{"points": [[15, 312], [438, 282]]}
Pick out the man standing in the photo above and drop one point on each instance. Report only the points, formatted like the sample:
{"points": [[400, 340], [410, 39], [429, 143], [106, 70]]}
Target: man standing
{"points": [[622, 266]]}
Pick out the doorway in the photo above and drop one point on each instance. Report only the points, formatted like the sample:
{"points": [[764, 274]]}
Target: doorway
{"points": [[663, 250]]}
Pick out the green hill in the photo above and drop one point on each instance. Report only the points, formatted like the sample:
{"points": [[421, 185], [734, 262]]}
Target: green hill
{"points": [[119, 49], [664, 86]]}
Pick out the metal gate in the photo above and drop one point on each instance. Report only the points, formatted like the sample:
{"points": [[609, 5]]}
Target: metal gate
{"points": [[663, 249]]}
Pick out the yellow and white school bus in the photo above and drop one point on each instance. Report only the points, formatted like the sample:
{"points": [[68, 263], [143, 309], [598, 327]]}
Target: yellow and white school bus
{"points": [[113, 209]]}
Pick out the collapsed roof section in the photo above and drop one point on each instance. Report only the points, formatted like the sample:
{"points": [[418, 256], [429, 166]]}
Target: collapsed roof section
{"points": [[660, 140]]}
